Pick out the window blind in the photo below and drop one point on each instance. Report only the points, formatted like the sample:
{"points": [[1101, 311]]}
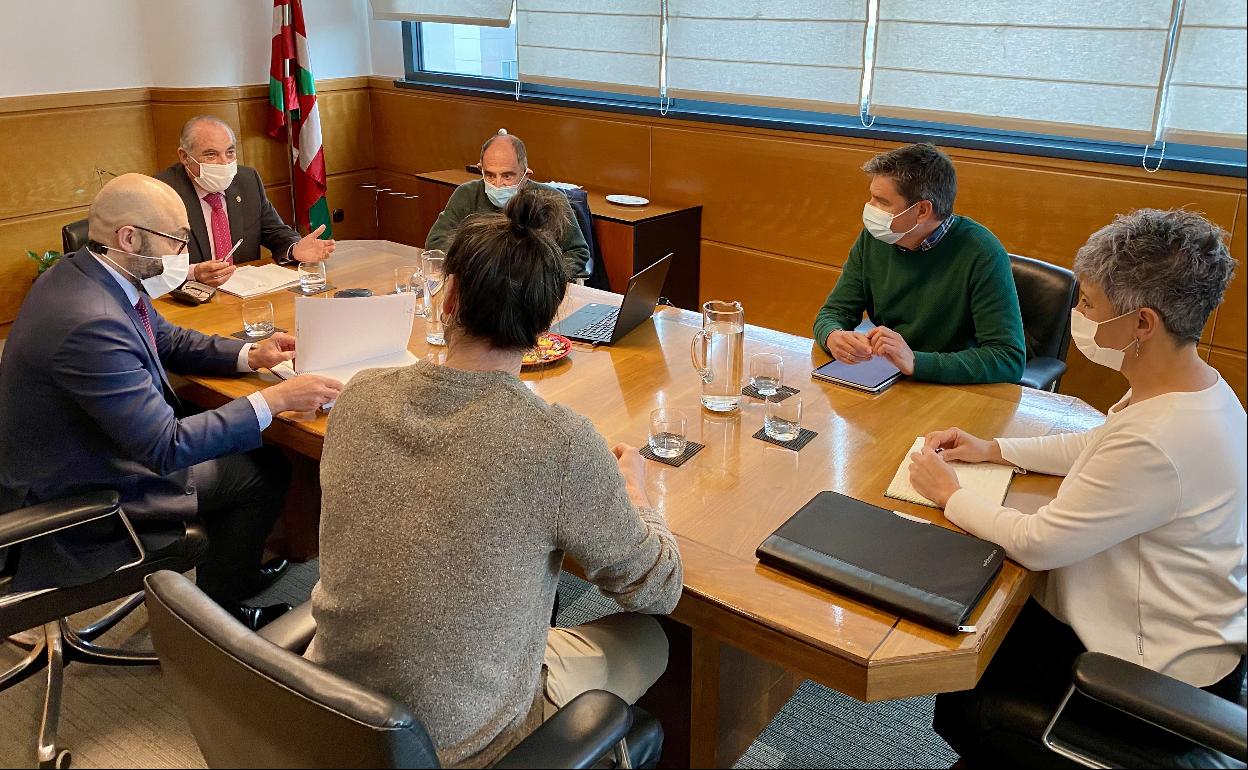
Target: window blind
{"points": [[1044, 66], [606, 45], [1207, 102], [799, 54], [484, 13]]}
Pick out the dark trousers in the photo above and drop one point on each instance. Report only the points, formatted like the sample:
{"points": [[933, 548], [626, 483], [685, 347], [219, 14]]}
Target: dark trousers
{"points": [[1002, 719], [240, 499]]}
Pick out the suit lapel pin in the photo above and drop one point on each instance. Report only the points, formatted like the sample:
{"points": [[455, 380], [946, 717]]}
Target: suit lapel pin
{"points": [[238, 199]]}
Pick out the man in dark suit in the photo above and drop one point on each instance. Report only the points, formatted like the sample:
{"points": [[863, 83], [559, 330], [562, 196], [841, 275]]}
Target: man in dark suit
{"points": [[226, 202], [85, 403]]}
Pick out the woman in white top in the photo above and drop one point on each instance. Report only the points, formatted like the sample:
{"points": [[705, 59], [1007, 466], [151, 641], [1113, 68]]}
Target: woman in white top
{"points": [[1145, 542]]}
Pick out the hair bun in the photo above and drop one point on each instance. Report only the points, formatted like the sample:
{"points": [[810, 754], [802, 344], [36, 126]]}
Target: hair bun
{"points": [[537, 210]]}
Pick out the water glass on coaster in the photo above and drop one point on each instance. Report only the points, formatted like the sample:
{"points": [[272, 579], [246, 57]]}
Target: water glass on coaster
{"points": [[312, 277], [668, 433], [258, 318], [433, 263], [782, 420], [766, 373]]}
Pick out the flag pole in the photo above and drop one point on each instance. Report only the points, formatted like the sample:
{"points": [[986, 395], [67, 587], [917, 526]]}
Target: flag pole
{"points": [[288, 29]]}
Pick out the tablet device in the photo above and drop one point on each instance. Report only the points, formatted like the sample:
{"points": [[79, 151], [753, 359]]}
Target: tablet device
{"points": [[869, 376]]}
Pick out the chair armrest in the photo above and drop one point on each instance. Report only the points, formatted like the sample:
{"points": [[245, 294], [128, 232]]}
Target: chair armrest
{"points": [[1041, 373], [293, 631], [55, 515], [577, 736], [1180, 708]]}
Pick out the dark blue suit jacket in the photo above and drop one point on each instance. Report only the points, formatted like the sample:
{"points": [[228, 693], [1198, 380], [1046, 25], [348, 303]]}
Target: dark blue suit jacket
{"points": [[85, 404]]}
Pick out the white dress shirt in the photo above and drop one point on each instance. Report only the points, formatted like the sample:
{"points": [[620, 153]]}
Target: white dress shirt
{"points": [[1145, 539], [264, 415], [206, 208]]}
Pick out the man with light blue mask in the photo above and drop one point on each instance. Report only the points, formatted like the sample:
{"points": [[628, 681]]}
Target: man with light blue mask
{"points": [[937, 286], [504, 170], [86, 403]]}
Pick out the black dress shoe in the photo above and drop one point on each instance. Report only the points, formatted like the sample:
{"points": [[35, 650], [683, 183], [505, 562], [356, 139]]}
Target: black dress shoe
{"points": [[256, 618], [270, 572]]}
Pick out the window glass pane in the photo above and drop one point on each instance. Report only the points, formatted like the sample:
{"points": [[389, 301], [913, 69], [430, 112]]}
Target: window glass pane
{"points": [[462, 49]]}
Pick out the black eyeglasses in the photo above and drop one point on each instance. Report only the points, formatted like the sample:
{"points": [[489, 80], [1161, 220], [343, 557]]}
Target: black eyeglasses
{"points": [[182, 242]]}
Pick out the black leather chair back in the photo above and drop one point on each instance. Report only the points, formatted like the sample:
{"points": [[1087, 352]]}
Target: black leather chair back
{"points": [[74, 236], [251, 703], [598, 270], [1046, 293]]}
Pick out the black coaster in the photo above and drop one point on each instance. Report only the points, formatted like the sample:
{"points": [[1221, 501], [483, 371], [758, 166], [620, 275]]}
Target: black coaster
{"points": [[691, 449], [245, 337], [803, 438], [302, 293], [784, 392]]}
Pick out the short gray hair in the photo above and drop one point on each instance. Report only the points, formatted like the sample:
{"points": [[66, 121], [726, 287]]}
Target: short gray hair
{"points": [[921, 172], [1175, 262], [522, 156], [187, 138]]}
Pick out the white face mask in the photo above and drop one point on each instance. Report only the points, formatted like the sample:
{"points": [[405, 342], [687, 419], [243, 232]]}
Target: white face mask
{"points": [[880, 223], [500, 195], [216, 177], [176, 268], [1083, 332]]}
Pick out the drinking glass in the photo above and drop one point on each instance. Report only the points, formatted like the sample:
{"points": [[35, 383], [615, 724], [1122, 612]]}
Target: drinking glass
{"points": [[668, 433], [409, 280], [258, 318], [433, 263], [311, 277], [783, 419], [766, 373]]}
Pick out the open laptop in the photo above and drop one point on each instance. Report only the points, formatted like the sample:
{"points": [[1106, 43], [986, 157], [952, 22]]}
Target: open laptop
{"points": [[604, 324]]}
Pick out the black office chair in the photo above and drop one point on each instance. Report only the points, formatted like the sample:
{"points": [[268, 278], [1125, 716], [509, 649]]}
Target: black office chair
{"points": [[1046, 293], [74, 236], [596, 277], [253, 701], [49, 640]]}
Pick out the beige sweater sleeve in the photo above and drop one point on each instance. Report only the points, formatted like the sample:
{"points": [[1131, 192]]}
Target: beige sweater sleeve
{"points": [[629, 553]]}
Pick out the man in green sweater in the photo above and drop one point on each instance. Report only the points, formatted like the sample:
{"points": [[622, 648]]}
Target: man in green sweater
{"points": [[937, 286], [504, 170]]}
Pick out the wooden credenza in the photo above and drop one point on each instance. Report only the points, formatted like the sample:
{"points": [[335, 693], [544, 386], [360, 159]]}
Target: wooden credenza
{"points": [[631, 238]]}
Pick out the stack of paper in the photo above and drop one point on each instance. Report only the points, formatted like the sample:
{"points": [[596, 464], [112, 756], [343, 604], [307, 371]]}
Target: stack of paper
{"points": [[988, 480], [253, 280], [341, 337]]}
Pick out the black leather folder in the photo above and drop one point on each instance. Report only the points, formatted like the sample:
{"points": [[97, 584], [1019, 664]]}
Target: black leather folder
{"points": [[921, 571]]}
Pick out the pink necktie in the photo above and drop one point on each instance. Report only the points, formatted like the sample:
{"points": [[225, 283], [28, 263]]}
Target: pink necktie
{"points": [[141, 309], [220, 227]]}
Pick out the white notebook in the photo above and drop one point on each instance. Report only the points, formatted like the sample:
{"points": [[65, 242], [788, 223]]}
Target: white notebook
{"points": [[988, 480], [253, 280]]}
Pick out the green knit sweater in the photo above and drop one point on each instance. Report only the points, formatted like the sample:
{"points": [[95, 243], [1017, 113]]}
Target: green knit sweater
{"points": [[954, 304]]}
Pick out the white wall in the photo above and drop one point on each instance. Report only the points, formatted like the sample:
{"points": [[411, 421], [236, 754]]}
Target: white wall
{"points": [[55, 46], [386, 44]]}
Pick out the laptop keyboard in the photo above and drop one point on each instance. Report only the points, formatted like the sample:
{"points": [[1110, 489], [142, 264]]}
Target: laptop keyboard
{"points": [[602, 328]]}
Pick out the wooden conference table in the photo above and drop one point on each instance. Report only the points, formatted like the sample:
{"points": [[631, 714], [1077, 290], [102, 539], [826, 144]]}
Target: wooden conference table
{"points": [[747, 634]]}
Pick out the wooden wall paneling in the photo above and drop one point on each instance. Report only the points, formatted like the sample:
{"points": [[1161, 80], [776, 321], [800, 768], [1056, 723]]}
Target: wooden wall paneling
{"points": [[1232, 316], [48, 160], [433, 198], [266, 155], [777, 292], [1233, 365], [799, 199], [38, 233], [346, 130], [400, 218], [414, 133], [615, 241], [279, 196], [357, 205], [169, 117]]}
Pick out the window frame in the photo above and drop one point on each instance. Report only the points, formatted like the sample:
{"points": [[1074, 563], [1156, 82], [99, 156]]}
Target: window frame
{"points": [[1201, 159]]}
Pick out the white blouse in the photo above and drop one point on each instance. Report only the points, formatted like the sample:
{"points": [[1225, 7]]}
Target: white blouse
{"points": [[1145, 539]]}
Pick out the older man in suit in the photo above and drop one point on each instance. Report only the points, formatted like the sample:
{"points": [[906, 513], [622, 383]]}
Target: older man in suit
{"points": [[85, 403], [226, 202]]}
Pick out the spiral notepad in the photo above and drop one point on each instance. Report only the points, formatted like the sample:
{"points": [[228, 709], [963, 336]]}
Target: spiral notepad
{"points": [[988, 480]]}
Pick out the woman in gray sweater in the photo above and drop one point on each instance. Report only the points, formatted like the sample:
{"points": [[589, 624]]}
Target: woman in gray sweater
{"points": [[450, 495]]}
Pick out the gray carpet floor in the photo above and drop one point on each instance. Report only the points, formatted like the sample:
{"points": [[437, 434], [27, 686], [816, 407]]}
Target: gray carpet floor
{"points": [[126, 717]]}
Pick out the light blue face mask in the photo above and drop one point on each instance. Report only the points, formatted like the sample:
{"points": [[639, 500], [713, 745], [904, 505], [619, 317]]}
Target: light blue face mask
{"points": [[500, 195]]}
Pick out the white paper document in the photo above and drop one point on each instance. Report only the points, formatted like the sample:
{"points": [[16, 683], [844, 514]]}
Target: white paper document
{"points": [[340, 338], [989, 480], [253, 280]]}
